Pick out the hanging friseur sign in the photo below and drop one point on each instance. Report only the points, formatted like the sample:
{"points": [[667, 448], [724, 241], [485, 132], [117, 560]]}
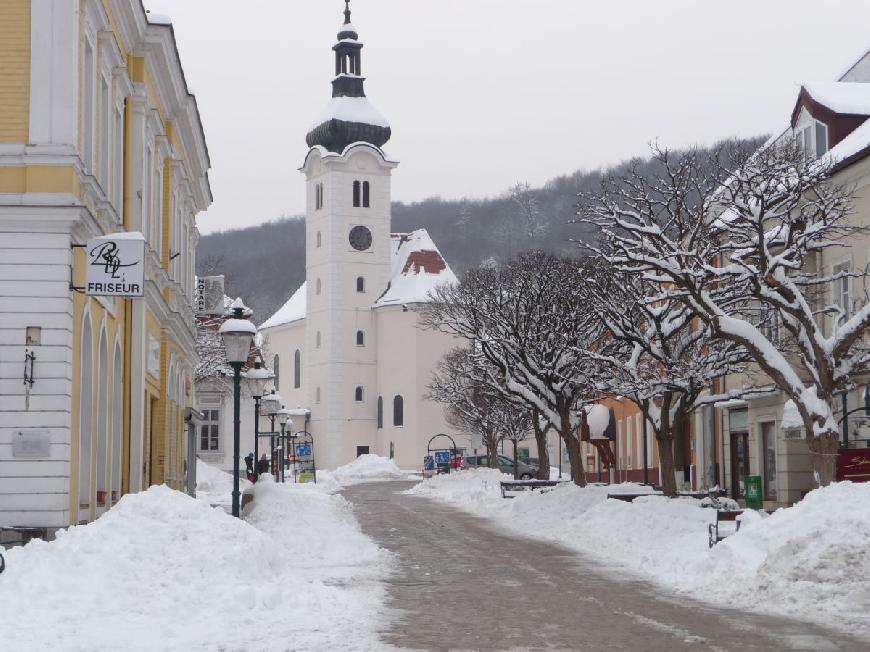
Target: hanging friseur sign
{"points": [[116, 265]]}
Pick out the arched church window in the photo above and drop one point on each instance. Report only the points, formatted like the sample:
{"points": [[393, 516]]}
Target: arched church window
{"points": [[318, 196], [317, 395], [356, 194], [380, 411], [366, 192], [360, 284], [318, 287], [358, 395], [360, 338], [319, 240], [297, 369], [398, 411], [317, 340]]}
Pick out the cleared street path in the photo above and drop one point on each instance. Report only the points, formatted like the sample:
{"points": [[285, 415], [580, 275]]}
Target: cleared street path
{"points": [[463, 585]]}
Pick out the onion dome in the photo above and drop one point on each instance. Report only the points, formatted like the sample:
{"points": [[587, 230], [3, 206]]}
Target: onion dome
{"points": [[349, 117]]}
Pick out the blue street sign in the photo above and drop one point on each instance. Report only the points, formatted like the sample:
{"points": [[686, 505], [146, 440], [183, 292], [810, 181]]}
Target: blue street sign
{"points": [[303, 450], [442, 457]]}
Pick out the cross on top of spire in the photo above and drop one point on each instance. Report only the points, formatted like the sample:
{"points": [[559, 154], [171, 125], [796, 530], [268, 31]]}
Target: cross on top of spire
{"points": [[347, 12]]}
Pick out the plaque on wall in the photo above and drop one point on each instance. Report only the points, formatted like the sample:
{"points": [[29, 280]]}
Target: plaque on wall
{"points": [[31, 444]]}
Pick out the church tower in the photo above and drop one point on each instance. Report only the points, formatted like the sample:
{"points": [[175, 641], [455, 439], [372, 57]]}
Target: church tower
{"points": [[347, 258]]}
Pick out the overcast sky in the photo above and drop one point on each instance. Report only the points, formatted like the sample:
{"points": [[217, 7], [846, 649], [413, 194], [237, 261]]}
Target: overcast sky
{"points": [[483, 93]]}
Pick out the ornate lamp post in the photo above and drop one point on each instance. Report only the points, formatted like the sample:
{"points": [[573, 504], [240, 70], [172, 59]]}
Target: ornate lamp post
{"points": [[269, 406], [256, 380], [283, 418], [238, 335]]}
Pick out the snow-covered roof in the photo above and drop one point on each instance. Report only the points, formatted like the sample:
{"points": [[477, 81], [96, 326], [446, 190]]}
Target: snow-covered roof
{"points": [[159, 19], [417, 269], [849, 98], [293, 310], [851, 146], [351, 109]]}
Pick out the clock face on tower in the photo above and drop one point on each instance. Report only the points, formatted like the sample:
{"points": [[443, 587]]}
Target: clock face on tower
{"points": [[360, 238]]}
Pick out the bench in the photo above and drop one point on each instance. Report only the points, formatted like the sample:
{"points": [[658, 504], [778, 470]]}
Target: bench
{"points": [[515, 486], [723, 516], [629, 497]]}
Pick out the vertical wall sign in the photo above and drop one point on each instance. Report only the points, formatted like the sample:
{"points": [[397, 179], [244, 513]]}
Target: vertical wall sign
{"points": [[116, 265]]}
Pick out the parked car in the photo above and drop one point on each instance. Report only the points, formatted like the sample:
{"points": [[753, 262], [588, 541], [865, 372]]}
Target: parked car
{"points": [[505, 465]]}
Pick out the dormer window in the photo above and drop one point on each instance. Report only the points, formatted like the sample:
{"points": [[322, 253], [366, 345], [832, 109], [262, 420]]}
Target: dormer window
{"points": [[812, 139]]}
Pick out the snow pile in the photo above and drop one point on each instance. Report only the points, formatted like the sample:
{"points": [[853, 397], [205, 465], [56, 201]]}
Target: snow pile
{"points": [[214, 485], [365, 468], [808, 561], [812, 560], [162, 571]]}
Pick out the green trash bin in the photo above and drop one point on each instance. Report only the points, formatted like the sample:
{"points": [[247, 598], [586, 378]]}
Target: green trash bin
{"points": [[754, 497]]}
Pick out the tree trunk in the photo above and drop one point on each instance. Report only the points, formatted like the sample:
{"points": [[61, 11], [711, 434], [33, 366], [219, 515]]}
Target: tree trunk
{"points": [[823, 453], [492, 451], [516, 462], [575, 456], [543, 451], [665, 442]]}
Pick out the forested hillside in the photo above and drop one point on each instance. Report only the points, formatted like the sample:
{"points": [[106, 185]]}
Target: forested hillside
{"points": [[467, 231]]}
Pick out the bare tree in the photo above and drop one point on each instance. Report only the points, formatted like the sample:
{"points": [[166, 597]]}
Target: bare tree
{"points": [[471, 406], [527, 319], [729, 235], [528, 211], [659, 356]]}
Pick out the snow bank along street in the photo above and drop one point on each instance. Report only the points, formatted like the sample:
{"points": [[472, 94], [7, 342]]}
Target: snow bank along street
{"points": [[162, 571], [809, 561]]}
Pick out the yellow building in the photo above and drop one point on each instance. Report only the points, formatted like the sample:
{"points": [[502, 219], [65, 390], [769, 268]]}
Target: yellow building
{"points": [[98, 135]]}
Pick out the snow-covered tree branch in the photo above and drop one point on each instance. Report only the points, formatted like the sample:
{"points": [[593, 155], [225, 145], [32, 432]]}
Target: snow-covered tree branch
{"points": [[527, 319], [730, 235]]}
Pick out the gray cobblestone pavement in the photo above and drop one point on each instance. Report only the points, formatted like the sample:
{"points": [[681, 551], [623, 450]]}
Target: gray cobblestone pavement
{"points": [[463, 585]]}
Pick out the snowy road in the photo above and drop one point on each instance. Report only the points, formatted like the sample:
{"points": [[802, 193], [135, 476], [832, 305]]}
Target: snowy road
{"points": [[463, 585]]}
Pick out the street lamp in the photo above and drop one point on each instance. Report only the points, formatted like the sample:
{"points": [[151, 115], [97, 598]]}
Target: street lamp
{"points": [[238, 335], [256, 381], [283, 418], [269, 406]]}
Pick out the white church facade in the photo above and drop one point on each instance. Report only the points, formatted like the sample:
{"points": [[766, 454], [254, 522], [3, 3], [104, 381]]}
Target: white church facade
{"points": [[347, 343]]}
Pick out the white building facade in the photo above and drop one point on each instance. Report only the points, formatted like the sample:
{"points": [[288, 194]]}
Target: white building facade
{"points": [[347, 343]]}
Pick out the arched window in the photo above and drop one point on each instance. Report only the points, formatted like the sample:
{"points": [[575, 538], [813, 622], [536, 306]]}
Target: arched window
{"points": [[398, 411], [366, 194], [102, 430], [86, 398], [380, 411], [317, 395], [276, 369], [317, 340], [318, 196], [360, 284], [358, 395], [319, 240], [356, 194], [117, 413], [297, 369], [318, 287], [360, 338]]}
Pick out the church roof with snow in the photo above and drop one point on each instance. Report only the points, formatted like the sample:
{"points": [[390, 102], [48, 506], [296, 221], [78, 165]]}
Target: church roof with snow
{"points": [[417, 268], [293, 310]]}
